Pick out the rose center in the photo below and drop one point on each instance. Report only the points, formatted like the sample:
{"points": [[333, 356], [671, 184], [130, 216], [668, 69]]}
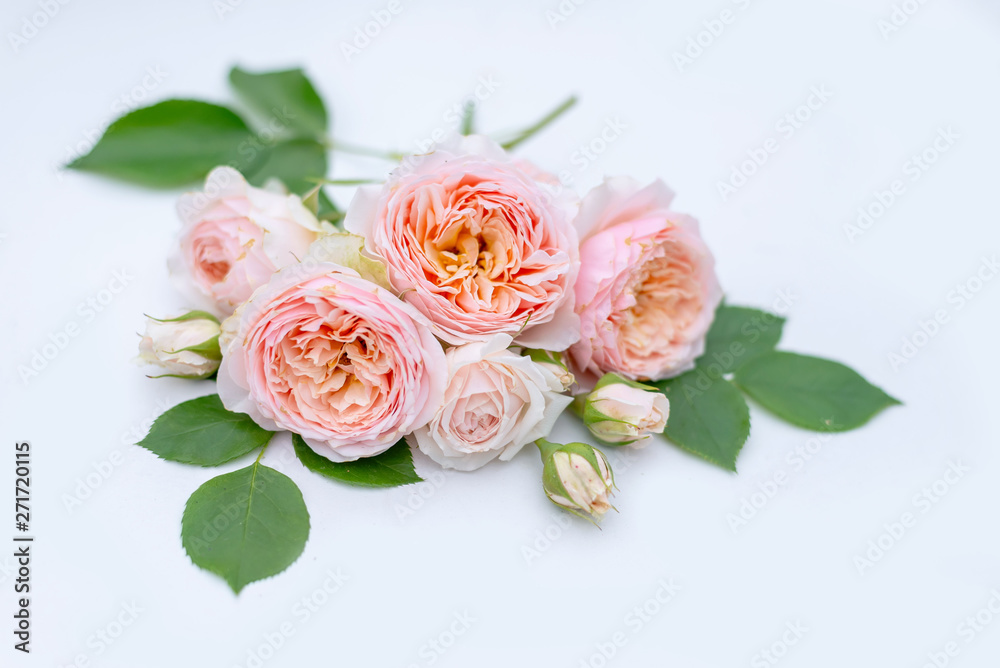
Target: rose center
{"points": [[213, 260], [335, 366], [666, 301], [472, 248], [478, 426]]}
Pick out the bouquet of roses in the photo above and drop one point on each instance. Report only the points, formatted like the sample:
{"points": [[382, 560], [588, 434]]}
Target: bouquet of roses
{"points": [[458, 307]]}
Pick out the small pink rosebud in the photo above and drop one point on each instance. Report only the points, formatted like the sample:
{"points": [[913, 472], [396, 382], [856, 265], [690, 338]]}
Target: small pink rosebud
{"points": [[621, 411]]}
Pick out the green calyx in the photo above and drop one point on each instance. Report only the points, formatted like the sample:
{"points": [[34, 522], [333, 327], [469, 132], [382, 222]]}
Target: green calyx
{"points": [[588, 452], [614, 378], [209, 349], [190, 315]]}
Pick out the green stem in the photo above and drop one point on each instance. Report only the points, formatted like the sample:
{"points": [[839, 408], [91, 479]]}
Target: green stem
{"points": [[344, 182], [344, 147], [579, 403], [257, 461], [469, 118], [531, 131]]}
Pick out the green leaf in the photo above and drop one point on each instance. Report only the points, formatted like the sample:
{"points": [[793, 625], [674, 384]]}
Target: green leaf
{"points": [[293, 162], [738, 335], [392, 468], [246, 525], [202, 432], [287, 94], [811, 392], [708, 417], [172, 143]]}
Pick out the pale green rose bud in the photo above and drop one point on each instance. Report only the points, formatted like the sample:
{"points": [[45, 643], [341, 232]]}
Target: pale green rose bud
{"points": [[621, 411], [555, 364], [186, 346], [577, 477]]}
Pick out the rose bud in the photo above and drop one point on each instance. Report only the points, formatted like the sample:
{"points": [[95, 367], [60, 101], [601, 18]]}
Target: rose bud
{"points": [[621, 411], [554, 363], [186, 346], [577, 477]]}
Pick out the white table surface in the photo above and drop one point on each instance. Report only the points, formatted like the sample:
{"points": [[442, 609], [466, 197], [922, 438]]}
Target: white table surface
{"points": [[457, 571]]}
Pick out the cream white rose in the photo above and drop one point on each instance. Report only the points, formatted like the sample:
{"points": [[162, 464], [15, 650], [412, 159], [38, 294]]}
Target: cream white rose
{"points": [[496, 402]]}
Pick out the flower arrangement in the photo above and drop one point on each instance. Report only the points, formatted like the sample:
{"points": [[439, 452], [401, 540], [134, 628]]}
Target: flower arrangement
{"points": [[458, 307]]}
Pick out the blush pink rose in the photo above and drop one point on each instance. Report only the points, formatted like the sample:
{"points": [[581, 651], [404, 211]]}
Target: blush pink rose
{"points": [[476, 244], [235, 237], [496, 402], [326, 354], [647, 290]]}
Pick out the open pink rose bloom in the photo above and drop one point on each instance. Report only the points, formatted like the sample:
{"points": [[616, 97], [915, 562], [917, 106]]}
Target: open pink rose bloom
{"points": [[332, 357], [475, 244], [647, 290]]}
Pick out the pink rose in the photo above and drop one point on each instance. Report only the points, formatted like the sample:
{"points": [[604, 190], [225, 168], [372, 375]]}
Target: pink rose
{"points": [[235, 237], [647, 290], [324, 353], [475, 244], [496, 402]]}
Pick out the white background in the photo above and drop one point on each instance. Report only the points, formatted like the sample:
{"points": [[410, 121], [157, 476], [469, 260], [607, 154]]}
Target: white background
{"points": [[466, 549]]}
